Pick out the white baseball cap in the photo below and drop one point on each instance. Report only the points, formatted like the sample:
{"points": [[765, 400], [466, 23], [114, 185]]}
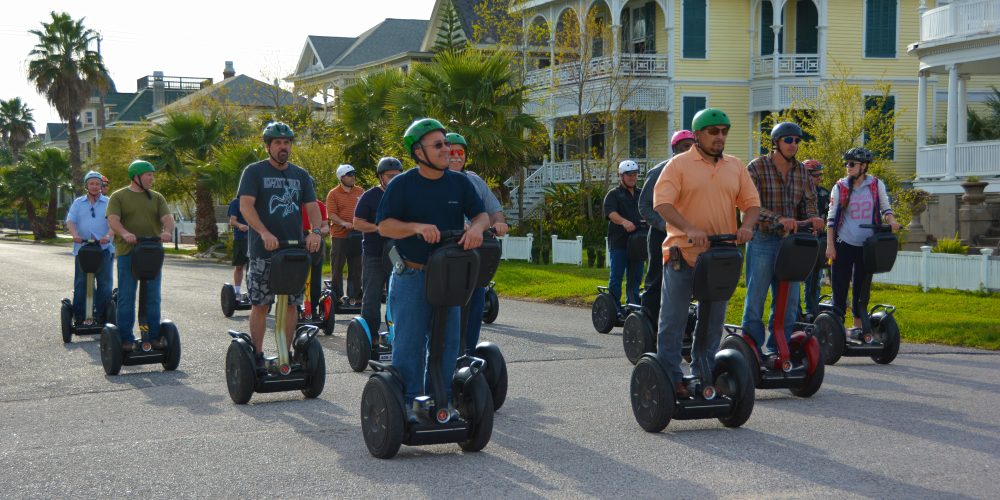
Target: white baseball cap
{"points": [[344, 170], [627, 166]]}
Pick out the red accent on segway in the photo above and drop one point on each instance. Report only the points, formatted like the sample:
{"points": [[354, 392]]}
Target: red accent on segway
{"points": [[285, 369], [443, 415], [784, 356]]}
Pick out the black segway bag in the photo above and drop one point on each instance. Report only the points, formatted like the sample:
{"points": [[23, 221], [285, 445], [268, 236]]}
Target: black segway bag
{"points": [[91, 258], [451, 275], [354, 244], [147, 259], [636, 246], [796, 257], [289, 269], [716, 274], [489, 260], [879, 252]]}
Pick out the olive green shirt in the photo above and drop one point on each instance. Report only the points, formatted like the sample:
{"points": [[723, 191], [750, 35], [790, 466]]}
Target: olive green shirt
{"points": [[139, 214]]}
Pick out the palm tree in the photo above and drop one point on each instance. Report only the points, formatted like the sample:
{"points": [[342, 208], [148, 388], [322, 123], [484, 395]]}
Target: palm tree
{"points": [[184, 146], [35, 182], [16, 125], [361, 117], [223, 177], [66, 71]]}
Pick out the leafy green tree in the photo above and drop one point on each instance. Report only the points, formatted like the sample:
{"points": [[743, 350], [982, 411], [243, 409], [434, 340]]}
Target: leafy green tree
{"points": [[115, 151], [449, 35], [16, 125], [230, 160], [64, 69], [34, 184], [362, 119], [986, 126]]}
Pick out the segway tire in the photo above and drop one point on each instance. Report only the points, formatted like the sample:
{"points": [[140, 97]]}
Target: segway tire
{"points": [[652, 394], [382, 417], [740, 345], [110, 312], [228, 300], [66, 317], [315, 366], [886, 323], [732, 379], [810, 350], [603, 313], [495, 372], [241, 374], [478, 410], [359, 349], [172, 358], [491, 308], [637, 337], [111, 350], [830, 334]]}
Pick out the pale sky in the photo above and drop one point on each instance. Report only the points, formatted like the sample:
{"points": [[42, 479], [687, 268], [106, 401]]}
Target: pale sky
{"points": [[189, 38]]}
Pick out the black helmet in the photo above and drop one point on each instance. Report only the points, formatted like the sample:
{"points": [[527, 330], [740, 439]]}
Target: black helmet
{"points": [[387, 164], [785, 129], [861, 155]]}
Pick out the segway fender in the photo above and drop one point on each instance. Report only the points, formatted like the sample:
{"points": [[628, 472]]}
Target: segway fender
{"points": [[809, 346], [303, 334], [364, 326], [240, 337]]}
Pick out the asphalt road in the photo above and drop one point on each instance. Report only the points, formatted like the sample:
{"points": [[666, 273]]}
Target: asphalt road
{"points": [[926, 426]]}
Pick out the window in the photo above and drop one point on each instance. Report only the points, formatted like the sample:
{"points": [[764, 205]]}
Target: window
{"points": [[695, 30], [637, 136], [689, 106], [806, 33], [880, 28], [595, 145], [639, 29], [766, 33], [88, 117], [888, 111], [597, 47]]}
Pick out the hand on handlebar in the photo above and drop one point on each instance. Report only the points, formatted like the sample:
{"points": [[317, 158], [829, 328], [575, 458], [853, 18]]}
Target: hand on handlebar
{"points": [[312, 242], [743, 235], [788, 224], [471, 239], [129, 238], [501, 228], [165, 237], [817, 223], [428, 232], [270, 241], [629, 227], [698, 237]]}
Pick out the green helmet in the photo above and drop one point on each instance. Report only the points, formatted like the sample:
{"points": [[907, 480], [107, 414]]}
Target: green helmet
{"points": [[709, 117], [139, 167], [418, 129], [277, 130], [455, 138]]}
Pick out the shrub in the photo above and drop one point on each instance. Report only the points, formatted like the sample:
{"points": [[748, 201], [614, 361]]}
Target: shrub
{"points": [[950, 245]]}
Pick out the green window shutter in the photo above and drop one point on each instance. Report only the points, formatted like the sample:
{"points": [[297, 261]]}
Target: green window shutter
{"points": [[695, 20], [806, 34], [888, 111], [880, 28], [689, 106], [650, 27]]}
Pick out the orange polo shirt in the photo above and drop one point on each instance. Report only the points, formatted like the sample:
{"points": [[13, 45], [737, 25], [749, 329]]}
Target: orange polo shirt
{"points": [[705, 195], [342, 204]]}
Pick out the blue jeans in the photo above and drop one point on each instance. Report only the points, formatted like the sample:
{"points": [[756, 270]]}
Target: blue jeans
{"points": [[127, 286], [101, 293], [475, 325], [676, 297], [619, 265], [812, 290], [412, 321], [762, 251]]}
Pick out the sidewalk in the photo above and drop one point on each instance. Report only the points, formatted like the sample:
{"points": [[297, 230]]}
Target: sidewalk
{"points": [[8, 234]]}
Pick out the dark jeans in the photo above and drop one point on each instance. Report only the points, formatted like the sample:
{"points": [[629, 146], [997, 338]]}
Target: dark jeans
{"points": [[654, 274], [621, 267], [127, 286], [849, 265], [475, 324], [812, 292], [375, 280], [316, 276], [338, 255]]}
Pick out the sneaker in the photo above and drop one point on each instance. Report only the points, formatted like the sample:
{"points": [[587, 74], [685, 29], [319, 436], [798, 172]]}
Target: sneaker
{"points": [[160, 343], [681, 391], [259, 361], [855, 334]]}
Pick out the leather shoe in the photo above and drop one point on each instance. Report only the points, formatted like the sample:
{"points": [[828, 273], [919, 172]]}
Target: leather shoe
{"points": [[681, 391]]}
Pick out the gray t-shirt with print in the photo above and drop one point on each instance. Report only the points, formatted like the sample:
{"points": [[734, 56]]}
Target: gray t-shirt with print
{"points": [[278, 194]]}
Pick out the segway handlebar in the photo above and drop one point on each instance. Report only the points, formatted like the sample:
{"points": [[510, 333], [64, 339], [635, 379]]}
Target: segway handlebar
{"points": [[879, 228]]}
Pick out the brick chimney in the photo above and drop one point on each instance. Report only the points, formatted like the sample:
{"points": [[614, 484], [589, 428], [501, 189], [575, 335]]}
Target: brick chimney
{"points": [[159, 91], [229, 72]]}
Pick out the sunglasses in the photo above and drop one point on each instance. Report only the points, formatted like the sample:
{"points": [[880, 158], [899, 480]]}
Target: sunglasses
{"points": [[437, 145], [791, 140], [850, 164], [817, 175], [717, 130], [458, 152], [634, 172], [349, 174], [92, 214]]}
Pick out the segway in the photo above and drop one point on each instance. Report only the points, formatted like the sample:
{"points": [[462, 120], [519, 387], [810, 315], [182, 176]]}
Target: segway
{"points": [[639, 332], [452, 274], [325, 310], [491, 307], [798, 364], [304, 369], [147, 261], [363, 345], [231, 302], [729, 395], [605, 313], [882, 342], [91, 260]]}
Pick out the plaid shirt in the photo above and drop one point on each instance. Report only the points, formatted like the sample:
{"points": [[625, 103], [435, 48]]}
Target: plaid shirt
{"points": [[779, 197]]}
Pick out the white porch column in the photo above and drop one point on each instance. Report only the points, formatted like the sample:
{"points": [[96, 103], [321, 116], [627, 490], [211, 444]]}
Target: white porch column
{"points": [[921, 111], [963, 109], [952, 122], [552, 140]]}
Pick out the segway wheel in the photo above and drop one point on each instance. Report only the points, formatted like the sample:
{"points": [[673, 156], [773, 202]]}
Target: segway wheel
{"points": [[172, 358], [228, 300], [732, 379], [495, 372], [492, 308], [111, 350], [652, 395], [830, 334], [359, 348], [603, 313], [740, 345], [110, 312], [326, 304], [812, 357], [885, 324], [315, 366], [66, 316], [638, 337], [240, 372], [478, 410], [382, 417]]}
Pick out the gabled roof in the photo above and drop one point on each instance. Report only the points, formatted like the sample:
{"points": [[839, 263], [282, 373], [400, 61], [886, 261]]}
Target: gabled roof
{"points": [[329, 48], [241, 90], [391, 37], [467, 16], [56, 132]]}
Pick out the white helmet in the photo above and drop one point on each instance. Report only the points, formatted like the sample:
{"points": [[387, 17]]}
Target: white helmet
{"points": [[344, 170], [627, 166]]}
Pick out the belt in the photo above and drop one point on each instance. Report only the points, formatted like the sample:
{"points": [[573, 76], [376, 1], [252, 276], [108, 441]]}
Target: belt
{"points": [[414, 265]]}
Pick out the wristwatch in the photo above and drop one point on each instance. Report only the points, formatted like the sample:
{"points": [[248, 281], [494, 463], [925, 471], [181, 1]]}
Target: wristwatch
{"points": [[317, 231]]}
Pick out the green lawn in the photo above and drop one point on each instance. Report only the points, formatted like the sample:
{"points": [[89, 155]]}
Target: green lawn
{"points": [[939, 316]]}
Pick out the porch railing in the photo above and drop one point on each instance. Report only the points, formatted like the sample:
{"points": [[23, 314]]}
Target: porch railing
{"points": [[960, 19], [788, 65]]}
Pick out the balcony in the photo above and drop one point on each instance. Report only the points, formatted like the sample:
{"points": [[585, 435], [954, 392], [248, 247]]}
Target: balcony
{"points": [[629, 65], [981, 159], [966, 19], [794, 65]]}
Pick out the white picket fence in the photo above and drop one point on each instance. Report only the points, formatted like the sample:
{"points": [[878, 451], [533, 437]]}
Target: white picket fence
{"points": [[516, 247], [567, 251], [938, 270]]}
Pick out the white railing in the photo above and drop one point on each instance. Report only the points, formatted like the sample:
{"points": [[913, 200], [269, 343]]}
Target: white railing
{"points": [[629, 65], [960, 19], [567, 251], [516, 247], [788, 65], [187, 227], [981, 158], [937, 270]]}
